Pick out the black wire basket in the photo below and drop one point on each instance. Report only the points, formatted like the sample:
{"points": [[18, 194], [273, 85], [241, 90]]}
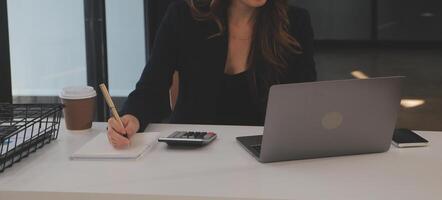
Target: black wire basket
{"points": [[24, 128]]}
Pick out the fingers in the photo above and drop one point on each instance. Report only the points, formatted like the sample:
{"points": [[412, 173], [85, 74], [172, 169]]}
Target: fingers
{"points": [[115, 137], [128, 123], [131, 124], [116, 130], [117, 140], [114, 124], [131, 129]]}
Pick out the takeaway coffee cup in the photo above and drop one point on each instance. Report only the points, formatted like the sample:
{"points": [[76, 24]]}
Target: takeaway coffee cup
{"points": [[79, 107]]}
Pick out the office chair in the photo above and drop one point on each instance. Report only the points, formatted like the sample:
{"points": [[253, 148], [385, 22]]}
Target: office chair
{"points": [[156, 9]]}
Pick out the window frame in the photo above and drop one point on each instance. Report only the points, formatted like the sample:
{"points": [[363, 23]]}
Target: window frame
{"points": [[5, 58]]}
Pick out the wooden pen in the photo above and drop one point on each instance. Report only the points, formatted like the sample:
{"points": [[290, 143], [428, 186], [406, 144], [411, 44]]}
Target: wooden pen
{"points": [[111, 105]]}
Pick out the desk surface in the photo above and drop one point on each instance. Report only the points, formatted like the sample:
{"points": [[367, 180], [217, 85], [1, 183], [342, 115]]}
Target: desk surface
{"points": [[223, 170]]}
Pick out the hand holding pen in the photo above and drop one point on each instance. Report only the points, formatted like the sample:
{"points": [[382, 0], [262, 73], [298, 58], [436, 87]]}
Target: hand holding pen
{"points": [[120, 130]]}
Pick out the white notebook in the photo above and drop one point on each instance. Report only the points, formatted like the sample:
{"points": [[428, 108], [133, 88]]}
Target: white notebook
{"points": [[100, 148]]}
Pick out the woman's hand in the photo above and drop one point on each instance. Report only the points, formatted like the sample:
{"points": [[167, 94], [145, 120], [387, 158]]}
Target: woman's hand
{"points": [[115, 132]]}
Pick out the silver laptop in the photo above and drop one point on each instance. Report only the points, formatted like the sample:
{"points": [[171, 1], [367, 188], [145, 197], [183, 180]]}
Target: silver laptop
{"points": [[330, 118]]}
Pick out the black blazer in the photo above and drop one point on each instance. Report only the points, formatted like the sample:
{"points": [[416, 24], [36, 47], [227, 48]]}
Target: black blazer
{"points": [[183, 44]]}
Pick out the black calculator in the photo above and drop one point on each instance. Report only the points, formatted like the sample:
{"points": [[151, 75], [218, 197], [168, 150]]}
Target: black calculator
{"points": [[189, 138]]}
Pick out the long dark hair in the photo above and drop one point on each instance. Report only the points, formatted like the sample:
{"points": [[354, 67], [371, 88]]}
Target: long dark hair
{"points": [[272, 42], [271, 36]]}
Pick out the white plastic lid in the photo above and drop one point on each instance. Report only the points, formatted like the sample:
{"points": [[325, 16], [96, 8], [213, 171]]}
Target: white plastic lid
{"points": [[78, 92]]}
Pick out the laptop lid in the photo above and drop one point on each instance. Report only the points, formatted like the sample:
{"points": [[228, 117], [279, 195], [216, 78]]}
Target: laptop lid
{"points": [[330, 118]]}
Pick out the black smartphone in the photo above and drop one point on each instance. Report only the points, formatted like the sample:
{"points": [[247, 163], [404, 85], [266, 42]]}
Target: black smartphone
{"points": [[407, 138]]}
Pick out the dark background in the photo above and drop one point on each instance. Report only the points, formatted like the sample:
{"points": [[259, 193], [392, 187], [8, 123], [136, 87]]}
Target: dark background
{"points": [[396, 20]]}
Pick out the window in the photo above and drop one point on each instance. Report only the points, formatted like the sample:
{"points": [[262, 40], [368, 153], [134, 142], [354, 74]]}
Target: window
{"points": [[125, 44], [47, 46]]}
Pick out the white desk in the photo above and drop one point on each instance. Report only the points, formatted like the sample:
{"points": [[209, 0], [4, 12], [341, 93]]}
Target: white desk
{"points": [[222, 170]]}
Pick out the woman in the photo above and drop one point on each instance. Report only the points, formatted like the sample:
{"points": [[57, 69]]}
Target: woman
{"points": [[228, 53]]}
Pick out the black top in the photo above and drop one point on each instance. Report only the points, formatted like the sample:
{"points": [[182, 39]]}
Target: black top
{"points": [[234, 104], [185, 45]]}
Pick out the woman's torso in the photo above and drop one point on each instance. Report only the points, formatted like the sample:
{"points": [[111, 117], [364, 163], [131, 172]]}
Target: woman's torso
{"points": [[201, 62]]}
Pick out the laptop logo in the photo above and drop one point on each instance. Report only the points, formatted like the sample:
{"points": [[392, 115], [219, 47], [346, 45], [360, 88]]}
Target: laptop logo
{"points": [[332, 120]]}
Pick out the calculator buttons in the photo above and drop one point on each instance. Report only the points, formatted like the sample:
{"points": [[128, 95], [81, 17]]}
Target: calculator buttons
{"points": [[194, 138]]}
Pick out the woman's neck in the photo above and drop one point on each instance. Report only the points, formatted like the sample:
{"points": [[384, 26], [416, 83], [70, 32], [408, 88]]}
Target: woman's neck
{"points": [[241, 14]]}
